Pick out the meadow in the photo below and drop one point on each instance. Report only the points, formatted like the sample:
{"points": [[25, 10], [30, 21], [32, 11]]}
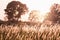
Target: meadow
{"points": [[30, 32]]}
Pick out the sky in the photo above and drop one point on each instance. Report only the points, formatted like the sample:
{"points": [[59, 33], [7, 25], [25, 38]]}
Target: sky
{"points": [[41, 5]]}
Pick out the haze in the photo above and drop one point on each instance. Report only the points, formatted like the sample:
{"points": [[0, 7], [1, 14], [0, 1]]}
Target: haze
{"points": [[42, 5]]}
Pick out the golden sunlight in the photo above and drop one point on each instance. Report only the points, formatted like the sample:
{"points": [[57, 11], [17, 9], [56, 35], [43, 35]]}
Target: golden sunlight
{"points": [[42, 5]]}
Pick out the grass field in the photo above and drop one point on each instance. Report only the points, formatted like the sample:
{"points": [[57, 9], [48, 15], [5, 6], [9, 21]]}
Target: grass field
{"points": [[27, 32]]}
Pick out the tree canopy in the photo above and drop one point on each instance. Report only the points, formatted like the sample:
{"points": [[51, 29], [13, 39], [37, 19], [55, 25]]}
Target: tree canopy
{"points": [[54, 14], [14, 10]]}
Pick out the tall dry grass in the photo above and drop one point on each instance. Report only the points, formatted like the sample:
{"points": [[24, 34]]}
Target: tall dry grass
{"points": [[27, 32]]}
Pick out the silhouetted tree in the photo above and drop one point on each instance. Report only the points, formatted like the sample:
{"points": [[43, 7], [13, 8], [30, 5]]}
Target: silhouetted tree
{"points": [[14, 10]]}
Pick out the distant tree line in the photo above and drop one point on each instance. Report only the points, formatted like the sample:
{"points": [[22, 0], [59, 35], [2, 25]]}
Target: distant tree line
{"points": [[15, 9]]}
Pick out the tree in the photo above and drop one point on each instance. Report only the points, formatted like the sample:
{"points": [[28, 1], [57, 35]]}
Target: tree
{"points": [[34, 16], [54, 14], [55, 9], [14, 10]]}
